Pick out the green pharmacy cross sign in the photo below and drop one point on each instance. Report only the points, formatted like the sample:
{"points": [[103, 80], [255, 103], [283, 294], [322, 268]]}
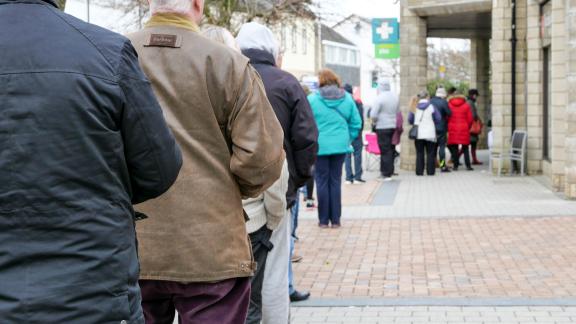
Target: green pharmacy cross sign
{"points": [[387, 51], [385, 31]]}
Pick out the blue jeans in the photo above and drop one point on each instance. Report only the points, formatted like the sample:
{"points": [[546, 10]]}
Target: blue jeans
{"points": [[357, 174], [329, 188], [294, 215]]}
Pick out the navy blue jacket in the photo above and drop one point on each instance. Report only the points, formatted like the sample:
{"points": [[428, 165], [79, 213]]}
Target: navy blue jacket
{"points": [[82, 137], [442, 107], [295, 115]]}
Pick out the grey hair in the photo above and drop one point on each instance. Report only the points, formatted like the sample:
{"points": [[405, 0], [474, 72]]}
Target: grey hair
{"points": [[177, 6], [220, 35]]}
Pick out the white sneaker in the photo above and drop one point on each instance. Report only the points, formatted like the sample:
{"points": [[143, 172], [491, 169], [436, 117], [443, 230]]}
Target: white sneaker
{"points": [[349, 182], [387, 179]]}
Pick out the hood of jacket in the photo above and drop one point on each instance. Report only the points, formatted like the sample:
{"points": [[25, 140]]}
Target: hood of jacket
{"points": [[457, 101], [332, 96], [253, 35], [384, 86], [258, 56], [423, 104]]}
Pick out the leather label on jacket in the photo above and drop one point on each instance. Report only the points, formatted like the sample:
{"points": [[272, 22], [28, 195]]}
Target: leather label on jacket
{"points": [[164, 40]]}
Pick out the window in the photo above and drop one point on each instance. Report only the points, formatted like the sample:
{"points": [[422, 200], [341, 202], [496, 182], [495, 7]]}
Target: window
{"points": [[353, 58], [304, 41], [294, 40], [330, 54], [343, 56]]}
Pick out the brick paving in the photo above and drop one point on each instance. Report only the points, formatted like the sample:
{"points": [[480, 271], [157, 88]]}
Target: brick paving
{"points": [[429, 315], [475, 257], [467, 236]]}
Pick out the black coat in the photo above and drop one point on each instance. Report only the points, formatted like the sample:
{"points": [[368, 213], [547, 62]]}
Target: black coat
{"points": [[360, 107], [82, 137], [295, 115]]}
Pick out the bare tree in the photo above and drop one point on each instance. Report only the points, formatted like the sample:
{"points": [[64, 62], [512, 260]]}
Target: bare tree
{"points": [[448, 63], [226, 13]]}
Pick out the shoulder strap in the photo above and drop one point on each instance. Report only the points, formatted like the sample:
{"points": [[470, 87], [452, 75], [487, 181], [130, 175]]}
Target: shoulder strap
{"points": [[339, 113]]}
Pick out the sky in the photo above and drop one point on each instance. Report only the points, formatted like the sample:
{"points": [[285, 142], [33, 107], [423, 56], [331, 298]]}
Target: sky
{"points": [[333, 11], [372, 8]]}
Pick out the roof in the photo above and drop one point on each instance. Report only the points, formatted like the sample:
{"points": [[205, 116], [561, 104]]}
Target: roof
{"points": [[363, 19], [330, 34]]}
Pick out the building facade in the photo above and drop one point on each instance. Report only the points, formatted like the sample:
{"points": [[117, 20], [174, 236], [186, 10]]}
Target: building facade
{"points": [[298, 42], [523, 63], [340, 55]]}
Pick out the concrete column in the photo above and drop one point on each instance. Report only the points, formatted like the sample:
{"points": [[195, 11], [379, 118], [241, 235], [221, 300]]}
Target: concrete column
{"points": [[535, 99], [413, 70], [560, 116], [480, 79], [501, 58], [570, 141]]}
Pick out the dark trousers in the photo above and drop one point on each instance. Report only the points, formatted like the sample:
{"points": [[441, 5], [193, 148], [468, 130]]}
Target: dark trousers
{"points": [[310, 189], [425, 155], [260, 247], [441, 145], [357, 156], [386, 151], [456, 157], [474, 146], [210, 303], [329, 188]]}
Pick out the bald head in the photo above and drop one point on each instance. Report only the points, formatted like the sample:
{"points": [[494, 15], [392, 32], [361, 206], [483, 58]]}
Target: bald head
{"points": [[190, 8]]}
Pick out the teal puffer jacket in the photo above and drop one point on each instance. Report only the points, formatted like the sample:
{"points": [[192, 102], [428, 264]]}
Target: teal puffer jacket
{"points": [[337, 119]]}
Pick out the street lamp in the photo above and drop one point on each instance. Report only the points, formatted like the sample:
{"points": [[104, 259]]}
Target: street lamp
{"points": [[87, 10]]}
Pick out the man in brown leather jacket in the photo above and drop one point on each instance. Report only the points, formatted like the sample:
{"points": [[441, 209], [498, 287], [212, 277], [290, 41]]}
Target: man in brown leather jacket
{"points": [[194, 249]]}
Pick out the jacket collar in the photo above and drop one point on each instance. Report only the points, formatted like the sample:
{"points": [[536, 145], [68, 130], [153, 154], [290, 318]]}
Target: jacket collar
{"points": [[171, 19], [49, 2], [258, 56]]}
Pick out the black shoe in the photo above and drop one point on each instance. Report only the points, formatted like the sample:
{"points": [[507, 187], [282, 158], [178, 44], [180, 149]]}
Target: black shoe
{"points": [[297, 296], [360, 180], [470, 169], [445, 170]]}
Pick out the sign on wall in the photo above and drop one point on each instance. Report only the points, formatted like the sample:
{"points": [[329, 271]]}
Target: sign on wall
{"points": [[387, 51], [385, 31]]}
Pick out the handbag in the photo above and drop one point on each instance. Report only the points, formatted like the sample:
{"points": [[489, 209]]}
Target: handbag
{"points": [[476, 128], [413, 134]]}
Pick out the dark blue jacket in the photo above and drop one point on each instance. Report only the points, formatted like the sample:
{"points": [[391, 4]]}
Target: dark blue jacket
{"points": [[295, 115], [442, 107], [82, 137]]}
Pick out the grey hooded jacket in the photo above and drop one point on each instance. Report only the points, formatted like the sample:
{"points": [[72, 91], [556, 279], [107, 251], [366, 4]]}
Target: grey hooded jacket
{"points": [[385, 108]]}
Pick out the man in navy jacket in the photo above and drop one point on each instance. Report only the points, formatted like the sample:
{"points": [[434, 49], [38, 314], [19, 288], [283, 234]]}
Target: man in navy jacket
{"points": [[82, 138]]}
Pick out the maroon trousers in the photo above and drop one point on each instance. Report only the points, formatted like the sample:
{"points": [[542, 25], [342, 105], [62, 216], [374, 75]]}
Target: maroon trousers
{"points": [[224, 302]]}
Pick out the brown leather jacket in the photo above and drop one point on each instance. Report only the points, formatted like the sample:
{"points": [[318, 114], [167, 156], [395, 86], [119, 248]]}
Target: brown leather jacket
{"points": [[231, 144]]}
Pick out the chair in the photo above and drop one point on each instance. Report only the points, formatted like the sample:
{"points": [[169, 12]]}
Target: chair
{"points": [[372, 151], [517, 152]]}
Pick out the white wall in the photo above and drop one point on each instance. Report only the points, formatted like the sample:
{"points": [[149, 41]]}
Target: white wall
{"points": [[299, 56]]}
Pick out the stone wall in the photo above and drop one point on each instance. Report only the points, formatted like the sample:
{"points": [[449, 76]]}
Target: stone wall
{"points": [[570, 68], [413, 69], [559, 95], [535, 98], [501, 57], [480, 79]]}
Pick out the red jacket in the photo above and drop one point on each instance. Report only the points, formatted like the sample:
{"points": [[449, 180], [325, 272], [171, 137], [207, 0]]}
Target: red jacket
{"points": [[459, 122]]}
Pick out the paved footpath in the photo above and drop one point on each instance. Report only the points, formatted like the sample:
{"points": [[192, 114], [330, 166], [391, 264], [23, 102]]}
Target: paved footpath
{"points": [[433, 315], [462, 247]]}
